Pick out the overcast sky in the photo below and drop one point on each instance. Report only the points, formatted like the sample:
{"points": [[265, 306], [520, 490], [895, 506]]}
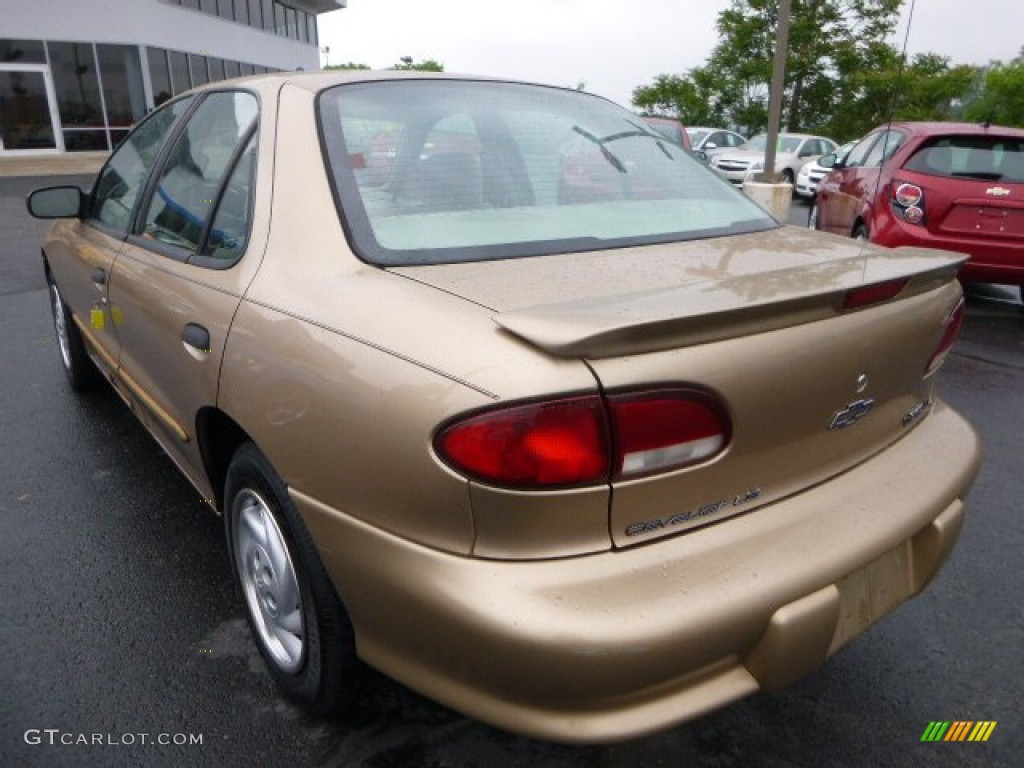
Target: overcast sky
{"points": [[613, 45]]}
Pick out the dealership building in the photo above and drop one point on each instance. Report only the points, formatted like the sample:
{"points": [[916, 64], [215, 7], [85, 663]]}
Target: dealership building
{"points": [[76, 74]]}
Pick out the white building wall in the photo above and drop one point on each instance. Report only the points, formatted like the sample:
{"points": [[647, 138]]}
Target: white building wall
{"points": [[151, 22]]}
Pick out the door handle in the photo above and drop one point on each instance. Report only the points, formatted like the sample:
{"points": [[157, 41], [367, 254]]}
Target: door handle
{"points": [[99, 276], [196, 336]]}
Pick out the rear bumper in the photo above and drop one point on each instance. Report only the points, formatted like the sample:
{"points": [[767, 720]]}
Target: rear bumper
{"points": [[614, 645], [991, 261]]}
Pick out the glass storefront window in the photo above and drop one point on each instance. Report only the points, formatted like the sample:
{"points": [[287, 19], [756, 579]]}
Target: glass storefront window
{"points": [[268, 15], [159, 75], [242, 11], [311, 22], [216, 69], [255, 13], [280, 26], [290, 23], [231, 69], [121, 75], [73, 68], [22, 52], [197, 66], [24, 112], [246, 69], [179, 71], [85, 141]]}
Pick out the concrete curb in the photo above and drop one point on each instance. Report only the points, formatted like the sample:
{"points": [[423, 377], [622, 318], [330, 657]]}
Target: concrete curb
{"points": [[57, 164]]}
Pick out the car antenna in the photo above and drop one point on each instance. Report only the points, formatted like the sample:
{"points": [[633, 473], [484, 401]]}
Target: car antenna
{"points": [[892, 99]]}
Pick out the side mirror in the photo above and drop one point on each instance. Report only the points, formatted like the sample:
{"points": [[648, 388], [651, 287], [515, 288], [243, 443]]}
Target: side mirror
{"points": [[700, 155], [710, 145], [56, 202], [829, 161]]}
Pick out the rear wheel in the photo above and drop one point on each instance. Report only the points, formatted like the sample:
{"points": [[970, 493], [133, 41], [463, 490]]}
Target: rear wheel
{"points": [[301, 628], [79, 369], [860, 232]]}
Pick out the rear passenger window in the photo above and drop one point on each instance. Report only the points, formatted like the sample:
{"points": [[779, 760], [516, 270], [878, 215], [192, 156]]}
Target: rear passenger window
{"points": [[884, 148], [230, 227], [196, 169], [860, 151]]}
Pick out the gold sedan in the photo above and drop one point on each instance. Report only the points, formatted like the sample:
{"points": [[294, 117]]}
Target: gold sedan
{"points": [[506, 395]]}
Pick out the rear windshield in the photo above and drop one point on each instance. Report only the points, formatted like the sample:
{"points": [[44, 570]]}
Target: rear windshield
{"points": [[440, 171], [986, 158]]}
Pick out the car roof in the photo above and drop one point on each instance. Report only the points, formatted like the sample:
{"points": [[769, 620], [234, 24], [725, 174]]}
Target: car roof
{"points": [[938, 128], [320, 80]]}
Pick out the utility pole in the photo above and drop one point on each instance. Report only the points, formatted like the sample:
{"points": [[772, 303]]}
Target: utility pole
{"points": [[775, 94]]}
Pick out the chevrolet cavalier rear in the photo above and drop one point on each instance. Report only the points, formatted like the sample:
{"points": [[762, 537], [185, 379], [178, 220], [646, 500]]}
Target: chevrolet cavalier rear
{"points": [[546, 421]]}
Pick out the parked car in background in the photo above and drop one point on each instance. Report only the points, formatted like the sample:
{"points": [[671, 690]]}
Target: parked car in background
{"points": [[671, 128], [793, 152], [811, 174], [515, 401], [957, 186], [713, 141]]}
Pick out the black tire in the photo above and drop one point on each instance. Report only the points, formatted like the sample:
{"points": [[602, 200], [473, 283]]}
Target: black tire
{"points": [[81, 373], [307, 643], [860, 232], [812, 215], [787, 176]]}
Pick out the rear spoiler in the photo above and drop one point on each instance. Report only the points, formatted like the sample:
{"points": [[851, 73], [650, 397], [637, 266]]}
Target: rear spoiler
{"points": [[712, 310]]}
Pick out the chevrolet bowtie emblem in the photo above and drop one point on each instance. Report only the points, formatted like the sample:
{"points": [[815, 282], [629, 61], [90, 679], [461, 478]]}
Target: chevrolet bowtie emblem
{"points": [[997, 191]]}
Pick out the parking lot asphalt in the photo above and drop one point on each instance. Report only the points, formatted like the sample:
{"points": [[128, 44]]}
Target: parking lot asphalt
{"points": [[120, 617]]}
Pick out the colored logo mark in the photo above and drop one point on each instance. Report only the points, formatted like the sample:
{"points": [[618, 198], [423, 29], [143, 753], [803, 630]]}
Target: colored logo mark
{"points": [[959, 730]]}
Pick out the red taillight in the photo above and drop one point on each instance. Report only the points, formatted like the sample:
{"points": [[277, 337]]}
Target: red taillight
{"points": [[658, 431], [908, 202], [954, 322], [873, 294], [570, 442], [557, 443]]}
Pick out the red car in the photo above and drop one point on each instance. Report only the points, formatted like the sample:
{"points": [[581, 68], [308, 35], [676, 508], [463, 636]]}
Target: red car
{"points": [[955, 186], [671, 128]]}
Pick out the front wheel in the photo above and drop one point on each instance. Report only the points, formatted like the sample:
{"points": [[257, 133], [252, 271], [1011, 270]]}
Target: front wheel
{"points": [[860, 232], [82, 375], [301, 628]]}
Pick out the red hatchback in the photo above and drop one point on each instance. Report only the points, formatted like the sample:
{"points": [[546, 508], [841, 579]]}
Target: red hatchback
{"points": [[955, 186]]}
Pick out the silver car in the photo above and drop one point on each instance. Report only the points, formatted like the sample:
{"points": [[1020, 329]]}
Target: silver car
{"points": [[793, 152]]}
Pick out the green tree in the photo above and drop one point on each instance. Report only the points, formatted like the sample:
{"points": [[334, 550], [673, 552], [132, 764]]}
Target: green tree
{"points": [[689, 97], [348, 65], [1002, 96], [842, 76], [424, 65]]}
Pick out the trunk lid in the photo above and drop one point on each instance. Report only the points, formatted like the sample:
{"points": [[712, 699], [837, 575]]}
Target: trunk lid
{"points": [[755, 321]]}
